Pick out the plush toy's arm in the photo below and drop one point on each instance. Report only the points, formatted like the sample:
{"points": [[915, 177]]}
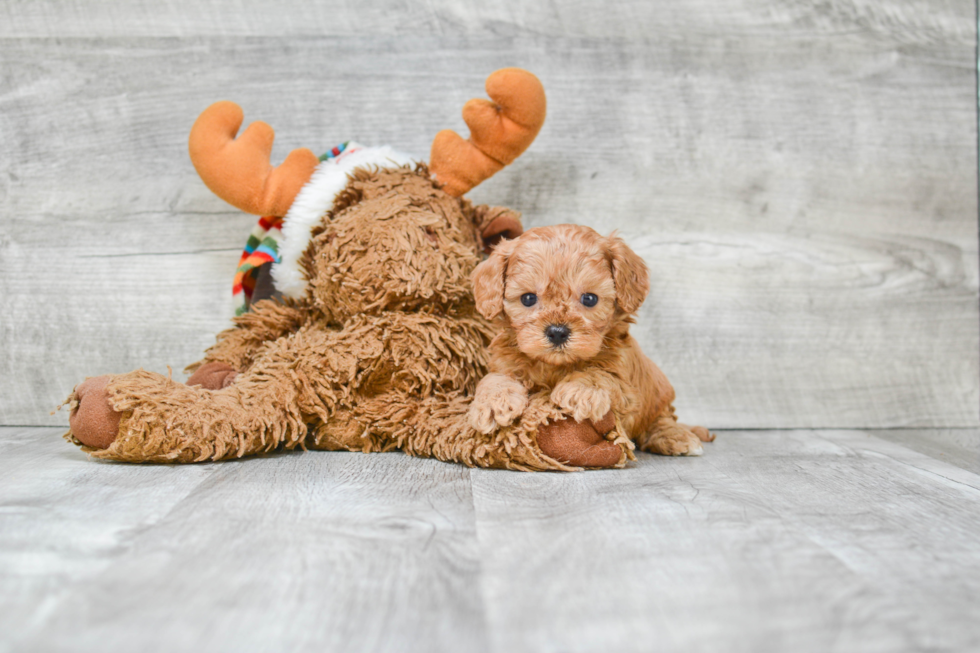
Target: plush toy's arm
{"points": [[147, 417], [495, 223], [237, 347]]}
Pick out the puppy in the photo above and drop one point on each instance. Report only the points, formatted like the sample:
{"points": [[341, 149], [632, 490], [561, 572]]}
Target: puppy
{"points": [[566, 296]]}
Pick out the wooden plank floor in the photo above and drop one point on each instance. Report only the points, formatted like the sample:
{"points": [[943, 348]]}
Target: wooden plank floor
{"points": [[773, 541]]}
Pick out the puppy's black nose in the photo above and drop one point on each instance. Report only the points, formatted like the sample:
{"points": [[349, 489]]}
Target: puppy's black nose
{"points": [[557, 334]]}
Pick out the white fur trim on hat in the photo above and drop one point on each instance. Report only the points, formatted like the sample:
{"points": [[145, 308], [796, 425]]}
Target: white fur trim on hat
{"points": [[315, 199]]}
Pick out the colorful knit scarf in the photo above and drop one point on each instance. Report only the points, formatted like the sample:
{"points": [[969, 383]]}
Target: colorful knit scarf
{"points": [[263, 247]]}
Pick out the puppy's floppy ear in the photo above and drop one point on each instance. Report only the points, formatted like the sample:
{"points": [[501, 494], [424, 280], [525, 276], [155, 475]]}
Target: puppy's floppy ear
{"points": [[489, 279], [630, 274]]}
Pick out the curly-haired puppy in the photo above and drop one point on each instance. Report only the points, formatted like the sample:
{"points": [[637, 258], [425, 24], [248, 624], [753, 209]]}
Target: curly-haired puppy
{"points": [[566, 296]]}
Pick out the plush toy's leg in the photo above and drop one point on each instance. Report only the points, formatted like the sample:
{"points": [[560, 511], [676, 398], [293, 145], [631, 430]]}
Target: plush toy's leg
{"points": [[237, 348], [668, 438], [543, 439], [146, 417], [159, 420]]}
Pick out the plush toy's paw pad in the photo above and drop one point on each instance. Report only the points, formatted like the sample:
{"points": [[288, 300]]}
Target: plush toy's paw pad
{"points": [[606, 424], [92, 421], [213, 376], [584, 402], [579, 443]]}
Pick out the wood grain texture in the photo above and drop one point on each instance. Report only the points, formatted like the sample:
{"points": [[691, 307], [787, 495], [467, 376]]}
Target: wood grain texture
{"points": [[797, 540], [800, 176], [928, 21], [296, 552], [64, 520], [959, 447], [774, 541]]}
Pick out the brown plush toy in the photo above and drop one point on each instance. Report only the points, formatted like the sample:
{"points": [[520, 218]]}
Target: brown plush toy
{"points": [[373, 342]]}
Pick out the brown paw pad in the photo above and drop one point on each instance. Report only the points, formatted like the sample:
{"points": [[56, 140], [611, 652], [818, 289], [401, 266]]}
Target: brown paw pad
{"points": [[92, 421], [213, 376], [580, 443]]}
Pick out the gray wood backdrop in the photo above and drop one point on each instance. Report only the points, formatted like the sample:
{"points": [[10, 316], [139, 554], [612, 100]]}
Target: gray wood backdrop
{"points": [[800, 175]]}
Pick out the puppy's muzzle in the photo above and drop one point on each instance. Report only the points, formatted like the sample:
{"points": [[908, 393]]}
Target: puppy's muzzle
{"points": [[557, 334]]}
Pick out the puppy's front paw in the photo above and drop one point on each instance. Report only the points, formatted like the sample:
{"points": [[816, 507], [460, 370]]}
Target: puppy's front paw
{"points": [[583, 400], [499, 401]]}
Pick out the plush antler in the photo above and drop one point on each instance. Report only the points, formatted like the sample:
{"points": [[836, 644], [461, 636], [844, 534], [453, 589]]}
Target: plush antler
{"points": [[499, 131], [238, 170]]}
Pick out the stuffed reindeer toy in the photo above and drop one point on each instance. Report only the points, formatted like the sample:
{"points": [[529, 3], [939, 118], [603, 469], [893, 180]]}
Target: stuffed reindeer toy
{"points": [[370, 340]]}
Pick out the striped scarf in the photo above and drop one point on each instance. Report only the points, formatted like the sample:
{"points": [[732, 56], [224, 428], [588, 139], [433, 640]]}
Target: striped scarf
{"points": [[263, 247]]}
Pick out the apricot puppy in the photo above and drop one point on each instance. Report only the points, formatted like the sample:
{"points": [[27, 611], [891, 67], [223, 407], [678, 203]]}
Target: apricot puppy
{"points": [[566, 296]]}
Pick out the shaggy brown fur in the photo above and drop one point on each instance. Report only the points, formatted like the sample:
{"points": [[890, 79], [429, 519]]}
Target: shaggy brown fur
{"points": [[546, 280], [385, 352]]}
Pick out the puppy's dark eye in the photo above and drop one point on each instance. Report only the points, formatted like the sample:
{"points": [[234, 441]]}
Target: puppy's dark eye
{"points": [[529, 299], [590, 300]]}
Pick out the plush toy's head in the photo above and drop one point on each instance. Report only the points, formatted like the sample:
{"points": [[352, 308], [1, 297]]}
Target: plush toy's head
{"points": [[369, 229], [394, 241]]}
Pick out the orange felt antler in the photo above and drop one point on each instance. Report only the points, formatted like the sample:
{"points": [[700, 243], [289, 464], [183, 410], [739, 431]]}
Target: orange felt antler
{"points": [[238, 170], [499, 131]]}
